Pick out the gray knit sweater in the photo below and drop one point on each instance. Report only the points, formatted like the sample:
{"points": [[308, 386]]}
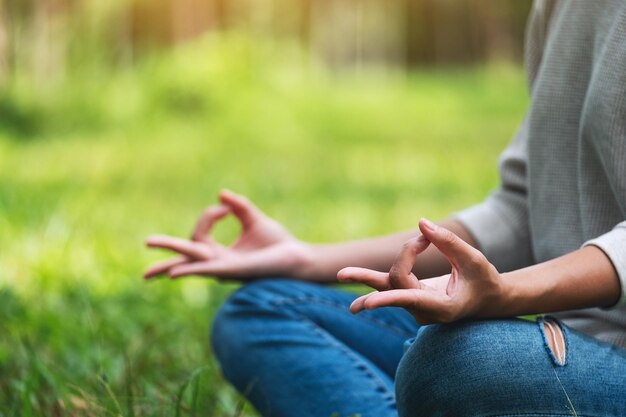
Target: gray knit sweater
{"points": [[563, 177]]}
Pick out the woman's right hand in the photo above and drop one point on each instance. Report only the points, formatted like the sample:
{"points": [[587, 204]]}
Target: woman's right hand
{"points": [[264, 248]]}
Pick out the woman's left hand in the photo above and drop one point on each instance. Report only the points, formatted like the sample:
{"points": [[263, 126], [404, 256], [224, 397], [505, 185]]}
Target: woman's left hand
{"points": [[473, 289]]}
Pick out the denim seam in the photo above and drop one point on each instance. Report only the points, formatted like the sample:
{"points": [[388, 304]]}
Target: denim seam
{"points": [[361, 365], [295, 300]]}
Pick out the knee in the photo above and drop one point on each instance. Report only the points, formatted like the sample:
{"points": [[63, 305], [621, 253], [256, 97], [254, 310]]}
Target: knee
{"points": [[451, 367], [242, 320]]}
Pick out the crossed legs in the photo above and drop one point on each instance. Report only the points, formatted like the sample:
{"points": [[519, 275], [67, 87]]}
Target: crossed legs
{"points": [[294, 349]]}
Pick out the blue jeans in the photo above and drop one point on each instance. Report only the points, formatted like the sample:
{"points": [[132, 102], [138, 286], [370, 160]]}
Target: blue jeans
{"points": [[294, 349]]}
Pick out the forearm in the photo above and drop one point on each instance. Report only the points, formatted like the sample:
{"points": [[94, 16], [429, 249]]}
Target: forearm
{"points": [[581, 279], [377, 253]]}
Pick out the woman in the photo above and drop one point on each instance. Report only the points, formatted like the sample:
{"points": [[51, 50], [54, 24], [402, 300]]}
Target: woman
{"points": [[551, 239]]}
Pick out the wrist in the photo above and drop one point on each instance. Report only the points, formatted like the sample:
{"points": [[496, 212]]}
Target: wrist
{"points": [[524, 295], [510, 295], [496, 299], [316, 264], [305, 261]]}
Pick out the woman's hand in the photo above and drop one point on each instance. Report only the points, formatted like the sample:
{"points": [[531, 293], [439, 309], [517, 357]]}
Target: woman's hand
{"points": [[473, 289], [264, 248]]}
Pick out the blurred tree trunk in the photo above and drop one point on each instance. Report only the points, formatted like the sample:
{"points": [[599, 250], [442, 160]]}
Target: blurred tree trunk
{"points": [[49, 41], [191, 18], [4, 46], [419, 29], [497, 38], [167, 22]]}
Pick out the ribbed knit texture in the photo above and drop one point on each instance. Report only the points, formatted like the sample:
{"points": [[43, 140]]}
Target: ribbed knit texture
{"points": [[563, 177]]}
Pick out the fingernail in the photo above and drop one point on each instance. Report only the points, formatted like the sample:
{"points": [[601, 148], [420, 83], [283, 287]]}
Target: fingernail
{"points": [[429, 225], [421, 238]]}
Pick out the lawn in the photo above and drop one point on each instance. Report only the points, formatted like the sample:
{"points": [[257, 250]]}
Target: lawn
{"points": [[90, 167]]}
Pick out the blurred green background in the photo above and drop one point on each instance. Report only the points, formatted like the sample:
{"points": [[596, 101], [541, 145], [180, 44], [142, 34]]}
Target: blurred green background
{"points": [[340, 118]]}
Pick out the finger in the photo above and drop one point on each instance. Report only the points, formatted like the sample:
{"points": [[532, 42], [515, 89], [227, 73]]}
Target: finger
{"points": [[272, 261], [400, 275], [460, 254], [207, 220], [182, 246], [415, 300], [358, 305], [192, 268], [162, 267], [377, 280], [241, 207], [223, 268]]}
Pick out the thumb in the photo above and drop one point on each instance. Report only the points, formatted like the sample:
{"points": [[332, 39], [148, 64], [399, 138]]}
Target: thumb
{"points": [[241, 207], [460, 253]]}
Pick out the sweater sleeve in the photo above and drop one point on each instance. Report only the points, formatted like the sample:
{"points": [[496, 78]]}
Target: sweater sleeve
{"points": [[500, 224], [613, 244]]}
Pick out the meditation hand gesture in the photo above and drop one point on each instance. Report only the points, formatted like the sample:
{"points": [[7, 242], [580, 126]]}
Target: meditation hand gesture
{"points": [[264, 248], [473, 289]]}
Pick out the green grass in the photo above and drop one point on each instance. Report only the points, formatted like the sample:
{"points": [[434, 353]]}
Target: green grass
{"points": [[91, 166]]}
